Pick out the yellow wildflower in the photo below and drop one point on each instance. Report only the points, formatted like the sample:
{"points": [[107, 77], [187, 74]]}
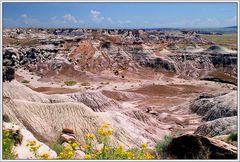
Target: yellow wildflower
{"points": [[119, 147], [148, 156], [74, 145], [105, 125], [144, 145], [130, 155], [88, 156], [34, 148], [67, 148], [89, 136], [70, 153], [32, 143], [85, 146], [104, 132], [45, 156]]}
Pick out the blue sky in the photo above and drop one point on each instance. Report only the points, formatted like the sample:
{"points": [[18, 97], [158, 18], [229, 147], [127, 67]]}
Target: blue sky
{"points": [[119, 15]]}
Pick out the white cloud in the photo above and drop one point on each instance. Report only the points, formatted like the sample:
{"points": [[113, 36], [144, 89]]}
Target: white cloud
{"points": [[24, 16], [124, 21], [25, 19], [55, 20], [71, 18], [110, 20], [96, 16]]}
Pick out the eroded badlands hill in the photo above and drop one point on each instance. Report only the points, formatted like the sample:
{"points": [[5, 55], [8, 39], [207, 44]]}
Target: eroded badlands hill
{"points": [[145, 84]]}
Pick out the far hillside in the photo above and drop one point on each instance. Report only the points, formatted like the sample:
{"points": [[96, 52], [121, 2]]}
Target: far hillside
{"points": [[226, 40]]}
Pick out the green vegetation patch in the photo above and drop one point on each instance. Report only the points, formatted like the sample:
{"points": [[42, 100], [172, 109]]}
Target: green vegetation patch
{"points": [[162, 146], [57, 147], [70, 83], [85, 83], [232, 137], [25, 81], [7, 146]]}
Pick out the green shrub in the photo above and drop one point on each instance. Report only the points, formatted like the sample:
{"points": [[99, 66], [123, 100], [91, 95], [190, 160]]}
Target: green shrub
{"points": [[161, 147], [70, 83], [8, 143], [85, 83], [57, 147], [25, 81], [232, 137]]}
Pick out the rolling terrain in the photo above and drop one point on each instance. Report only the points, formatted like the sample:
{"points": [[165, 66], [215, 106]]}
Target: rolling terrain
{"points": [[145, 83]]}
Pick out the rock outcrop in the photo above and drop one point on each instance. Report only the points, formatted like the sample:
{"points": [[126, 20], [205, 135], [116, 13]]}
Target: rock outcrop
{"points": [[221, 126], [215, 106], [9, 60], [220, 112], [199, 147]]}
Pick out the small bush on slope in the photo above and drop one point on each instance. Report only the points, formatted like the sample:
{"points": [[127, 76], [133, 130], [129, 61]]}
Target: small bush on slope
{"points": [[8, 143], [70, 83], [161, 147], [85, 84], [232, 137], [57, 147], [25, 81]]}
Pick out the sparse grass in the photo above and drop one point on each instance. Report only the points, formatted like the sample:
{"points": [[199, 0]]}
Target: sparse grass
{"points": [[8, 143], [226, 40], [57, 147], [25, 81], [161, 147], [85, 83], [184, 45], [70, 83]]}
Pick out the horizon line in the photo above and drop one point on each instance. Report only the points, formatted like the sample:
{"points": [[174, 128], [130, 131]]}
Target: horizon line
{"points": [[119, 28]]}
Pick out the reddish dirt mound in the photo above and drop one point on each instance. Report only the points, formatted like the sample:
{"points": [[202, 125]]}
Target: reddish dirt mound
{"points": [[161, 101], [168, 90], [115, 95], [85, 49], [66, 73], [50, 90]]}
